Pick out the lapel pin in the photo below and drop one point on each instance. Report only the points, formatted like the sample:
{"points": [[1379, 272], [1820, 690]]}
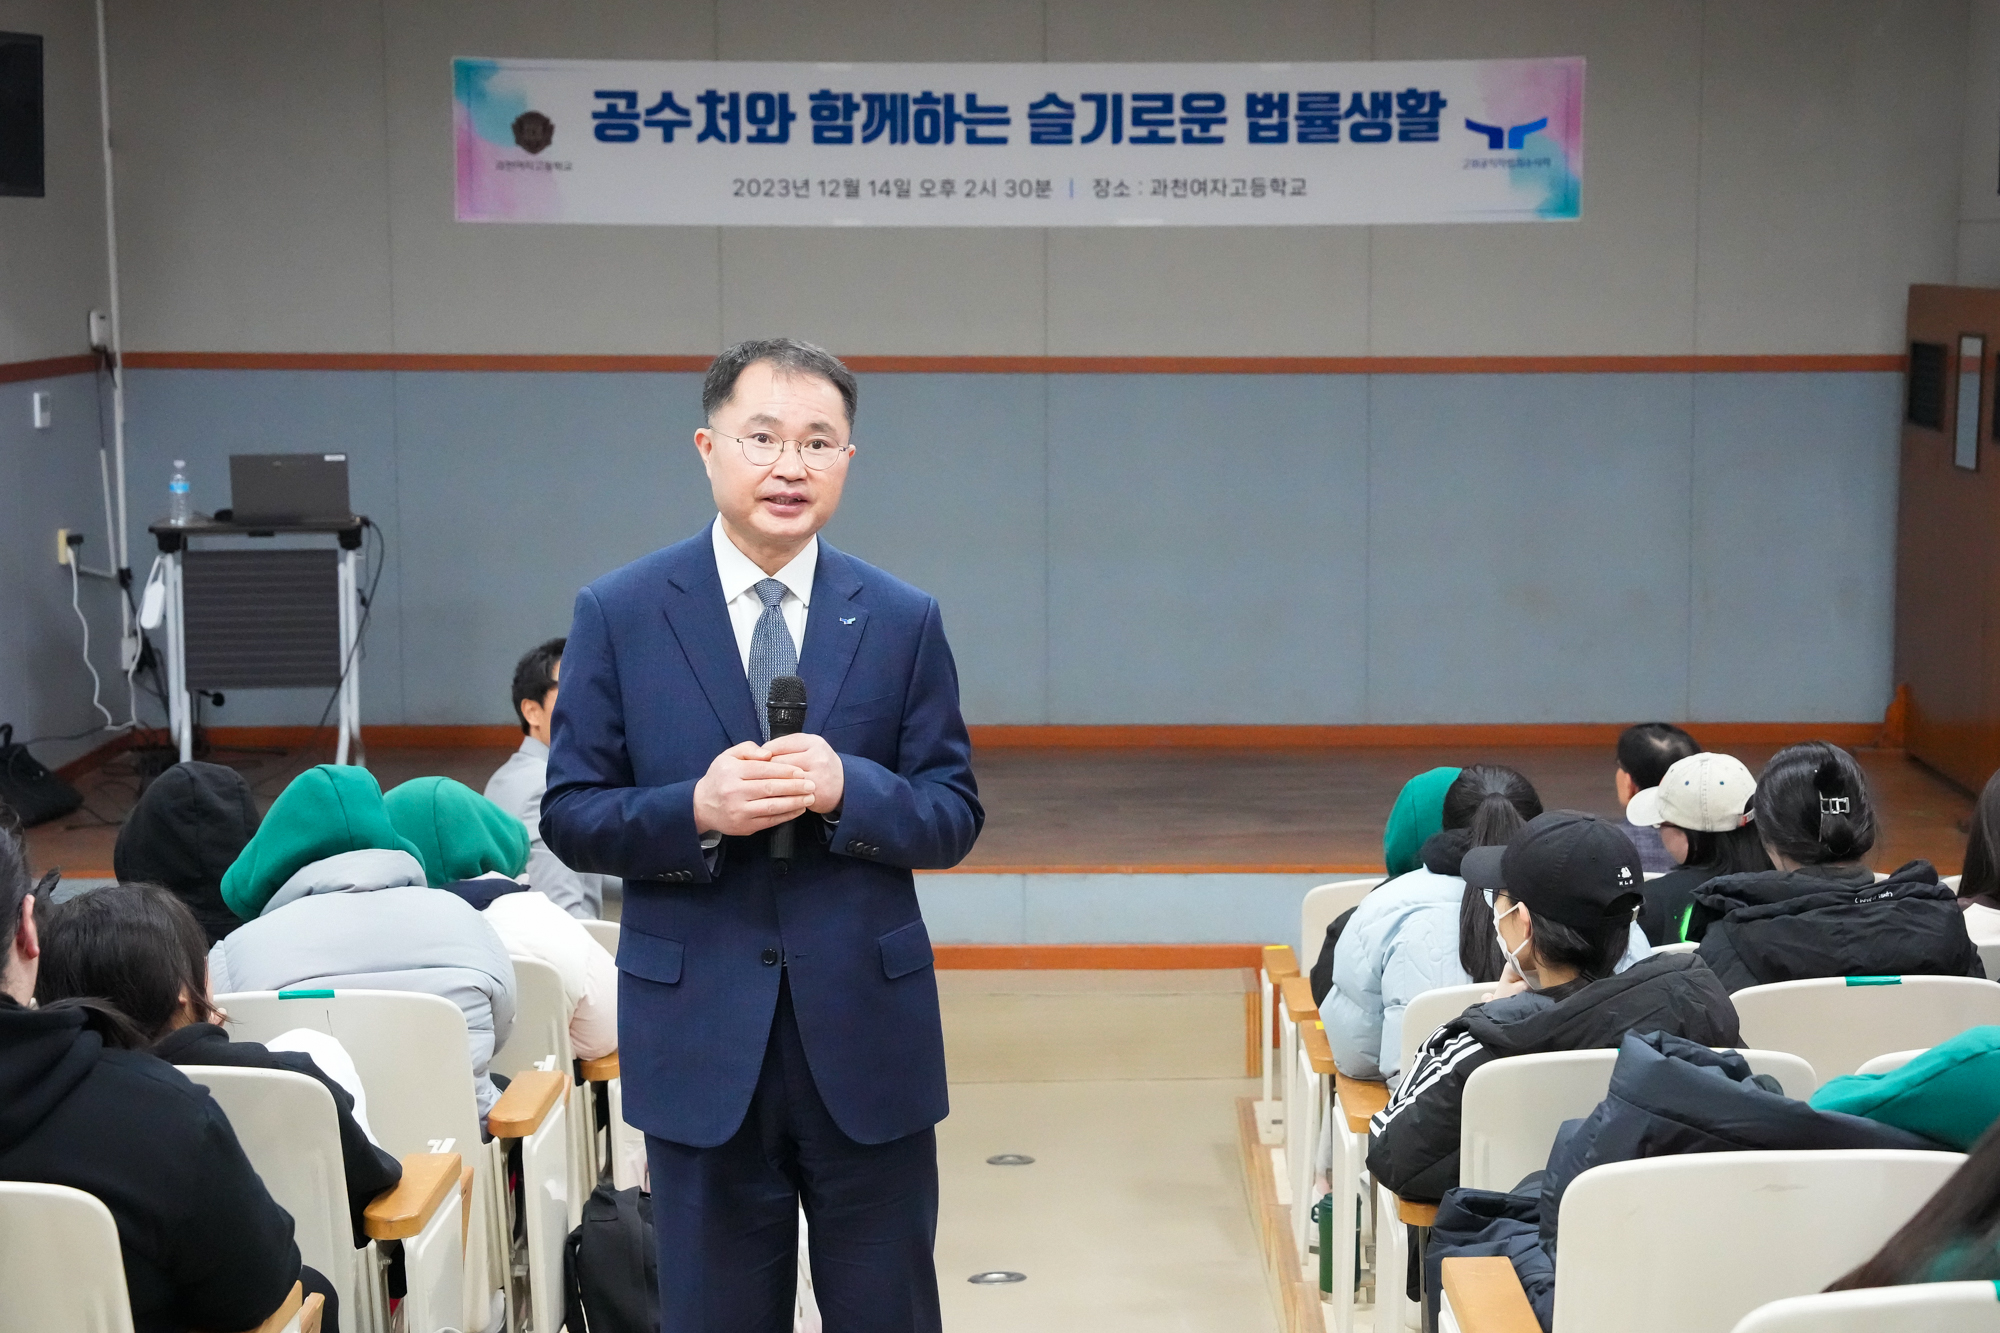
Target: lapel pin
{"points": [[847, 620]]}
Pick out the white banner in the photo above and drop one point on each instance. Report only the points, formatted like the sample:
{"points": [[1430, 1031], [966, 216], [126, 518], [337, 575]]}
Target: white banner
{"points": [[998, 145]]}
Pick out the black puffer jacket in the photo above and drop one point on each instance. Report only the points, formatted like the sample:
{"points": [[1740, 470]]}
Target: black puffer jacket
{"points": [[1670, 1095], [1776, 925], [185, 831], [204, 1244], [1413, 1143]]}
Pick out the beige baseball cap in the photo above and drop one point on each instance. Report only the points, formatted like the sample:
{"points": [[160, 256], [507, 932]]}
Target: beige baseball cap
{"points": [[1707, 792]]}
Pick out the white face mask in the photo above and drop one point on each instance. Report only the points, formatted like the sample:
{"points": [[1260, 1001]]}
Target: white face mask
{"points": [[1514, 955]]}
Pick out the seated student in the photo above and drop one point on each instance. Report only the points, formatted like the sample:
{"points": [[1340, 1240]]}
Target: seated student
{"points": [[1645, 753], [1563, 891], [139, 947], [1819, 911], [1416, 817], [203, 1243], [1404, 937], [1979, 885], [1702, 811], [332, 896], [517, 785], [191, 822], [471, 847]]}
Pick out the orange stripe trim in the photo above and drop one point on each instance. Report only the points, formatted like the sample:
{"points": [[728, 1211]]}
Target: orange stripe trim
{"points": [[1031, 365], [1233, 737], [1850, 734], [1096, 957], [14, 372]]}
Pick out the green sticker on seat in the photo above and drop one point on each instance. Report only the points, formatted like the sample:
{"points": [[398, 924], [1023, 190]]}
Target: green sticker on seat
{"points": [[305, 995], [1874, 981]]}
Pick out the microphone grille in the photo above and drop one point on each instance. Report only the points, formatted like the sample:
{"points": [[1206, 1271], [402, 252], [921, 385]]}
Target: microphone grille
{"points": [[789, 691]]}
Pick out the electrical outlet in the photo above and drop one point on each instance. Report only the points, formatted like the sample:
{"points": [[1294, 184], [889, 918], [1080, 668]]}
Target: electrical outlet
{"points": [[62, 546], [100, 331], [42, 409]]}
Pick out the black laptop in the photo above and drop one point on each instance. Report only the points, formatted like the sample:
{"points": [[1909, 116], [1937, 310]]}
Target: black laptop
{"points": [[279, 489]]}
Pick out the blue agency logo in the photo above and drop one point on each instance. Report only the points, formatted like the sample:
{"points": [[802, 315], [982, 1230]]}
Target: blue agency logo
{"points": [[1512, 137]]}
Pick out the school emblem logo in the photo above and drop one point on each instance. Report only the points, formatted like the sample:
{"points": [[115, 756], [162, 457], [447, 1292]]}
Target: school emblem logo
{"points": [[534, 131]]}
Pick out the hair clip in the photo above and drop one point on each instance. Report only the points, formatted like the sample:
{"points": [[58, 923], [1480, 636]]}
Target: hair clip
{"points": [[1833, 805]]}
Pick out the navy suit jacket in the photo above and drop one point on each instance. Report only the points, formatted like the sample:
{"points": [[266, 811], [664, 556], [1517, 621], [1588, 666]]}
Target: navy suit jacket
{"points": [[653, 688]]}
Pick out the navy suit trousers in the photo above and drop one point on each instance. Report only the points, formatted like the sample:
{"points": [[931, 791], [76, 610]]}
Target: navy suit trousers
{"points": [[727, 1217]]}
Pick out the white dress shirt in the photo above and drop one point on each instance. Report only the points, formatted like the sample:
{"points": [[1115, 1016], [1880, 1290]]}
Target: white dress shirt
{"points": [[740, 577]]}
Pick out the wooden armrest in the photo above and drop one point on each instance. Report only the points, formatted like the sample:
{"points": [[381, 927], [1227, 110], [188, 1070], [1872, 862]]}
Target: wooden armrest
{"points": [[402, 1212], [1420, 1215], [1359, 1100], [1298, 994], [526, 1103], [1280, 962], [1319, 1052], [601, 1070], [311, 1312], [1486, 1297], [294, 1299]]}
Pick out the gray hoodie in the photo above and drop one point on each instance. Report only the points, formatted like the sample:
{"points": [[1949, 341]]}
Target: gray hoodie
{"points": [[366, 921]]}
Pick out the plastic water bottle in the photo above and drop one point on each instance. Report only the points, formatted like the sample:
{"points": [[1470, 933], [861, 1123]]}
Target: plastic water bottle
{"points": [[178, 510]]}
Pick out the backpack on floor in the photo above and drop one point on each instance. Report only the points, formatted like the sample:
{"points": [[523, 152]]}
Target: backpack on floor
{"points": [[31, 791], [611, 1270]]}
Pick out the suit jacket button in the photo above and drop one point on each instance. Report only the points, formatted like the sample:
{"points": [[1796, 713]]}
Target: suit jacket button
{"points": [[770, 958]]}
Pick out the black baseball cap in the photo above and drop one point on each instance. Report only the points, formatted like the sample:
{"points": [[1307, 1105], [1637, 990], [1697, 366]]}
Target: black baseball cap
{"points": [[1565, 865]]}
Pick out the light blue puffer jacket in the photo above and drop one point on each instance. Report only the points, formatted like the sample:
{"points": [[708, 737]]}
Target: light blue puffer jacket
{"points": [[1401, 941]]}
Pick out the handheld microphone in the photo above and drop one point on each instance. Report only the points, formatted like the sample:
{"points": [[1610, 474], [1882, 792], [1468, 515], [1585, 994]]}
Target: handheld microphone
{"points": [[786, 708]]}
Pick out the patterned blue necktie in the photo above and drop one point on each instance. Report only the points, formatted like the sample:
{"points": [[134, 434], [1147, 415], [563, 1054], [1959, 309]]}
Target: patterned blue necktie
{"points": [[772, 652]]}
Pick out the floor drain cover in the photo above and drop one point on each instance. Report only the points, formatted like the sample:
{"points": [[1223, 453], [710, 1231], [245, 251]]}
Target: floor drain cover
{"points": [[996, 1278], [1011, 1159]]}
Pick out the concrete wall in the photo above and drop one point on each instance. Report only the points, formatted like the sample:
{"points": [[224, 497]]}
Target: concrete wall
{"points": [[52, 273], [1765, 177]]}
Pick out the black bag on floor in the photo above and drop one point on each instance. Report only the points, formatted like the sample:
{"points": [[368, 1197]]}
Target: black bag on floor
{"points": [[28, 789], [611, 1270]]}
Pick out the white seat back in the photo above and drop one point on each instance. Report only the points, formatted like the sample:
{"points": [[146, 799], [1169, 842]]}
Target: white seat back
{"points": [[410, 1050], [1928, 1307], [1432, 1010], [1320, 908], [411, 1053], [290, 1131], [1755, 1226], [1951, 882], [605, 933], [541, 1020], [1890, 1063], [1989, 959], [1513, 1108], [1839, 1023], [59, 1261], [1679, 946]]}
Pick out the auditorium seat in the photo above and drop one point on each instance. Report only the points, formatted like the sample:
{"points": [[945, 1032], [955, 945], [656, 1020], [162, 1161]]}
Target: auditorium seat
{"points": [[411, 1054], [540, 1040], [1322, 905], [1669, 1244], [1927, 1307], [1431, 1010], [289, 1130], [60, 1267], [1840, 1023]]}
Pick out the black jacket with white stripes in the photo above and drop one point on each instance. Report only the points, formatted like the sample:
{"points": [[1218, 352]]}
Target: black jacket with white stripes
{"points": [[1413, 1141]]}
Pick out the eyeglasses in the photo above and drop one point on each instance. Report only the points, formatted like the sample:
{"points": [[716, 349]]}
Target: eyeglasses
{"points": [[762, 448], [1492, 894]]}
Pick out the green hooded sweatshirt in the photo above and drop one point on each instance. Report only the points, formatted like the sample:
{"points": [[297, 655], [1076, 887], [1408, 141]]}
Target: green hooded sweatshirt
{"points": [[325, 811], [1417, 816], [458, 833]]}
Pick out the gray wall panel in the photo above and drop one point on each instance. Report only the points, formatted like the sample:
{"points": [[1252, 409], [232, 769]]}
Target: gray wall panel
{"points": [[1794, 552], [1529, 548], [1207, 539]]}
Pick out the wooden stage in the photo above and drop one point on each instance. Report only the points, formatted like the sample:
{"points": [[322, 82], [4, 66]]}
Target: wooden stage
{"points": [[1053, 810]]}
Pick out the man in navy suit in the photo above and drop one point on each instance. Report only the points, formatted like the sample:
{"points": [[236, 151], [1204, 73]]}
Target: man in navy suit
{"points": [[778, 1021]]}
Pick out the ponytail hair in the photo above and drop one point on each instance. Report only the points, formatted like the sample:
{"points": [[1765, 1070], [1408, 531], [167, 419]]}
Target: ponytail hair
{"points": [[1813, 805], [1491, 802]]}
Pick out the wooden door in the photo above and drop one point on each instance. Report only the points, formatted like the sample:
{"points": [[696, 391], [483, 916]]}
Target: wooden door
{"points": [[1948, 534]]}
